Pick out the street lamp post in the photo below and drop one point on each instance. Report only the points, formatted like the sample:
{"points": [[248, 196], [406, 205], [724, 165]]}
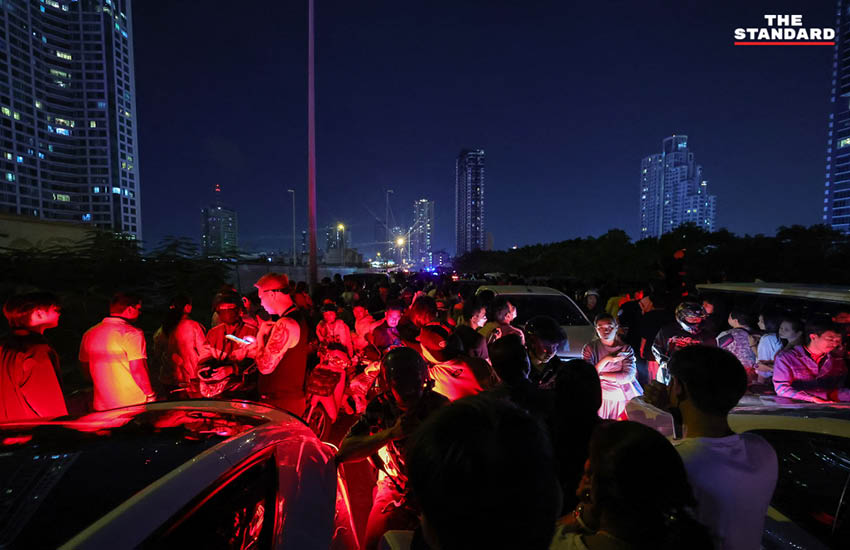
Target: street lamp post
{"points": [[292, 192], [387, 222], [400, 243]]}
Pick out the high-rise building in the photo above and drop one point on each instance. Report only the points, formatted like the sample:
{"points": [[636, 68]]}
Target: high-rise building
{"points": [[68, 144], [219, 228], [836, 199], [421, 234], [469, 201], [673, 191]]}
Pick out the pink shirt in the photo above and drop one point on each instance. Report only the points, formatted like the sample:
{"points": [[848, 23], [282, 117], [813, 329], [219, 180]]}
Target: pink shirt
{"points": [[108, 347]]}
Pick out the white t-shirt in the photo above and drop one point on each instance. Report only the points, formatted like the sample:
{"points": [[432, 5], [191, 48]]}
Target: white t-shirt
{"points": [[769, 346], [108, 347], [733, 479]]}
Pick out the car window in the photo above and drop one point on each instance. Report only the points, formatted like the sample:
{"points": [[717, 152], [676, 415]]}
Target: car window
{"points": [[559, 308], [237, 514], [813, 473]]}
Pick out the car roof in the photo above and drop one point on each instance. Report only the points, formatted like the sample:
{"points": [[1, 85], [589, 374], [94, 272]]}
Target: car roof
{"points": [[820, 293], [770, 412], [520, 289], [105, 458]]}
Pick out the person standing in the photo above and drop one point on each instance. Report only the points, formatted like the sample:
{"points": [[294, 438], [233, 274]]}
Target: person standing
{"points": [[29, 366], [179, 342], [115, 354], [474, 317], [615, 362], [281, 347]]}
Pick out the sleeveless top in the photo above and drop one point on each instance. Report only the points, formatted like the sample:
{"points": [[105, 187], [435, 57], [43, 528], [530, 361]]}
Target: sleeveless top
{"points": [[288, 376]]}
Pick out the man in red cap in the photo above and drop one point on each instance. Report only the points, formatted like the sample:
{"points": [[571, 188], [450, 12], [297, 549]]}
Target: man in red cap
{"points": [[281, 347], [454, 375]]}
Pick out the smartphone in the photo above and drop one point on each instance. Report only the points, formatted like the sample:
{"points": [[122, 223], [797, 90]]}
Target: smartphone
{"points": [[238, 340]]}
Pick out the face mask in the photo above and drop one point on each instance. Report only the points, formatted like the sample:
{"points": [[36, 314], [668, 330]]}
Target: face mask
{"points": [[228, 316]]}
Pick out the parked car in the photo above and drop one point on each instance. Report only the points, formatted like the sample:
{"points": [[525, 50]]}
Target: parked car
{"points": [[811, 505], [799, 299], [531, 301], [190, 474]]}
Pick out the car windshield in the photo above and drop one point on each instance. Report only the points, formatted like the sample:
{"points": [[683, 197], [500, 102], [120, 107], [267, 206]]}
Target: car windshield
{"points": [[558, 307], [58, 478]]}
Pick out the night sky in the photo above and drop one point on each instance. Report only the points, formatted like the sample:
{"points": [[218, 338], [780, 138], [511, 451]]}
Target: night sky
{"points": [[564, 97]]}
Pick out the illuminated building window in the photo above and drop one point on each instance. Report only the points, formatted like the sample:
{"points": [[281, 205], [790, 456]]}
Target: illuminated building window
{"points": [[116, 190], [10, 176], [20, 159], [87, 217], [63, 55], [62, 198], [844, 142], [63, 131], [97, 189], [6, 111], [92, 124], [8, 156], [16, 116]]}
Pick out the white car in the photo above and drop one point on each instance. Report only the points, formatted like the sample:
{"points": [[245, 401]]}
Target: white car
{"points": [[191, 474], [531, 301], [811, 505]]}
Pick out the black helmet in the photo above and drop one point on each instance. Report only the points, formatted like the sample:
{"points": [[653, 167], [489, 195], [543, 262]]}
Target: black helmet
{"points": [[403, 369], [690, 316]]}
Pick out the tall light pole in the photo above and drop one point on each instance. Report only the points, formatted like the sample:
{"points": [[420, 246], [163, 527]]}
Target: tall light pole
{"points": [[311, 146], [400, 243], [341, 229], [389, 233], [292, 192]]}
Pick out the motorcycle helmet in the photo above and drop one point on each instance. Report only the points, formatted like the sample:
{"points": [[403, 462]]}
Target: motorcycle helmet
{"points": [[405, 371], [690, 316]]}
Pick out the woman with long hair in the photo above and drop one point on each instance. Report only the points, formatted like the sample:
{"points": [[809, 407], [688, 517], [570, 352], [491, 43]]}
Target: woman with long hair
{"points": [[178, 344], [634, 495]]}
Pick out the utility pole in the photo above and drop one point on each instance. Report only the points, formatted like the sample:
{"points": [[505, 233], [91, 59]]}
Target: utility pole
{"points": [[389, 233], [311, 146]]}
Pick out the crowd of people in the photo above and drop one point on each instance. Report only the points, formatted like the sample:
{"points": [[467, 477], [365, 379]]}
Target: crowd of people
{"points": [[482, 435]]}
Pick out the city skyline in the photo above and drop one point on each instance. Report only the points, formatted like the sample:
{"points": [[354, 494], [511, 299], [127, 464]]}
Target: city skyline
{"points": [[69, 94], [199, 123]]}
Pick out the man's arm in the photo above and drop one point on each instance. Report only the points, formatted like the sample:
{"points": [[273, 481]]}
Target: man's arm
{"points": [[190, 341], [139, 372], [359, 447], [783, 379], [284, 336]]}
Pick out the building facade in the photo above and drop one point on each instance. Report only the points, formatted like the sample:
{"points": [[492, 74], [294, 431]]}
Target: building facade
{"points": [[673, 191], [836, 194], [421, 234], [68, 124], [219, 230], [469, 201]]}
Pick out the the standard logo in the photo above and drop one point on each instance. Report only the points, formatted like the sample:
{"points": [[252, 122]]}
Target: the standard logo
{"points": [[784, 30]]}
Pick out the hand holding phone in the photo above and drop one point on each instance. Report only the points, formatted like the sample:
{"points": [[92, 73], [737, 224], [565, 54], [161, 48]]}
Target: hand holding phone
{"points": [[238, 340]]}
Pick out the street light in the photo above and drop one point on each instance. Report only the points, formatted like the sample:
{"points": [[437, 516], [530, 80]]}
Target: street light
{"points": [[400, 243], [292, 191], [341, 229]]}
